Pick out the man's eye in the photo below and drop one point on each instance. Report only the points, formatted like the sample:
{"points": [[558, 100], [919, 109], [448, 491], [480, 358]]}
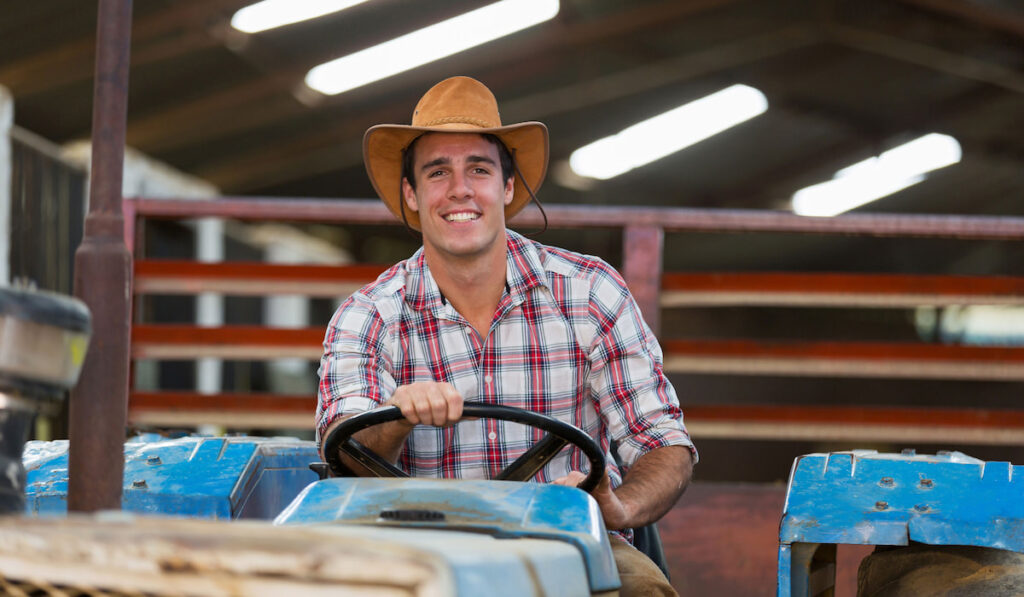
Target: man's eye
{"points": [[435, 173]]}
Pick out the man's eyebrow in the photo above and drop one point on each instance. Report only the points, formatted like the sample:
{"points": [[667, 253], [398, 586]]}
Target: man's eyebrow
{"points": [[436, 162], [473, 159], [480, 158]]}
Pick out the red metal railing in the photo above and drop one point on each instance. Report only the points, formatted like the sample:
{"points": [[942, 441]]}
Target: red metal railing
{"points": [[643, 233]]}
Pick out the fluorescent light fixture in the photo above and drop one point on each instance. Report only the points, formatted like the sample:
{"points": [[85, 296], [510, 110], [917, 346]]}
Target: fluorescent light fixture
{"points": [[429, 44], [276, 13], [667, 133], [878, 176]]}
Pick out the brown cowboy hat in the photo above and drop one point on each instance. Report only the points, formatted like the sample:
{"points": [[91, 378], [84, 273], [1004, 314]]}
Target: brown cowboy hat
{"points": [[455, 105]]}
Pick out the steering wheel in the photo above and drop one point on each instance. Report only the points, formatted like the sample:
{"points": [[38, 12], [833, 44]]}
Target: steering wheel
{"points": [[559, 434]]}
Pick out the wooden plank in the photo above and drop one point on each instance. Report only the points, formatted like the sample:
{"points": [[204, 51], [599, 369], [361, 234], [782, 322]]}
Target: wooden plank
{"points": [[844, 359], [123, 554], [833, 289], [154, 276]]}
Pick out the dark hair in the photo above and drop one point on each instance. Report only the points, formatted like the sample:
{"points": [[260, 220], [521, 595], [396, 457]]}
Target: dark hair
{"points": [[504, 156]]}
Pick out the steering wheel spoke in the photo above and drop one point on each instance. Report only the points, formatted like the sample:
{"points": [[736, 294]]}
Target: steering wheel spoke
{"points": [[370, 460], [534, 459]]}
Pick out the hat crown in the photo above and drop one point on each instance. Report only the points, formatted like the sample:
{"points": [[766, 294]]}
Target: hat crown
{"points": [[457, 101]]}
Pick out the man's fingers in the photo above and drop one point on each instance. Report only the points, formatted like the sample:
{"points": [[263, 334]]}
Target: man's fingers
{"points": [[429, 403], [454, 400], [437, 405], [403, 400], [573, 479]]}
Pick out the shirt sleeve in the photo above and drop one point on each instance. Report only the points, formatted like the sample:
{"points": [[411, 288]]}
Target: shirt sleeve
{"points": [[355, 368], [638, 403]]}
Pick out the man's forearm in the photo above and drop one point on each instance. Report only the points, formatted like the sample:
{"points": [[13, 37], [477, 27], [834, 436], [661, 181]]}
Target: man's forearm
{"points": [[386, 440], [654, 484]]}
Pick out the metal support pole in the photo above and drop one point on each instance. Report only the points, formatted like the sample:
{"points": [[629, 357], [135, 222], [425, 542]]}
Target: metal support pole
{"points": [[102, 280], [642, 265]]}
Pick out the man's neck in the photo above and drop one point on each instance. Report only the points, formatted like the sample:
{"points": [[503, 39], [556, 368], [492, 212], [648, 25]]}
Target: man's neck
{"points": [[473, 286]]}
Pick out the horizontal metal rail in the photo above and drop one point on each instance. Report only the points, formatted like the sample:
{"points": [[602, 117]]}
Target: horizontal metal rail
{"points": [[159, 276], [775, 422], [231, 410], [153, 276], [831, 289], [237, 342], [890, 360], [857, 424], [749, 357], [367, 211]]}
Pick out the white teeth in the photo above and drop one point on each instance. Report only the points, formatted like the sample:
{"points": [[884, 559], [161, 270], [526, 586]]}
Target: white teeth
{"points": [[461, 217]]}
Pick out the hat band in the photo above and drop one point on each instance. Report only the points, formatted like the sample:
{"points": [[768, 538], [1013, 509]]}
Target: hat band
{"points": [[460, 120]]}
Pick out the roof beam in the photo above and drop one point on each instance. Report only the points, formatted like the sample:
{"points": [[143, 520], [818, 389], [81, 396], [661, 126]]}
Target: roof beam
{"points": [[304, 156], [196, 121], [1005, 21], [155, 37], [927, 56]]}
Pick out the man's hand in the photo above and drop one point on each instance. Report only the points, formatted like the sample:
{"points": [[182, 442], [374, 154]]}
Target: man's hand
{"points": [[612, 509], [652, 486], [424, 402], [428, 403]]}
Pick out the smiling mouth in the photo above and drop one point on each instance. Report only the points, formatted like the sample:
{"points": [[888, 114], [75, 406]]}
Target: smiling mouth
{"points": [[461, 217]]}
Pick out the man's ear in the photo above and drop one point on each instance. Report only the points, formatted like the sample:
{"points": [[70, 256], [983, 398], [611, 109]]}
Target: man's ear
{"points": [[510, 189], [409, 194]]}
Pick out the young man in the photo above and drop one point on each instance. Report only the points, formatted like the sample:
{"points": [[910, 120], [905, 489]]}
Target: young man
{"points": [[482, 314]]}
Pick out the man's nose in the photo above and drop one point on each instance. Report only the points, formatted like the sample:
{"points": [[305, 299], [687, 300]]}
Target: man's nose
{"points": [[460, 187]]}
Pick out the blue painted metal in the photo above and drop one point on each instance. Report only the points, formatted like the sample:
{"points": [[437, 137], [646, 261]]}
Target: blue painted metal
{"points": [[534, 537], [199, 477], [502, 509], [864, 497]]}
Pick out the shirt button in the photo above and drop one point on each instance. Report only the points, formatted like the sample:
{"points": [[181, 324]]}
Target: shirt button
{"points": [[488, 378], [469, 330], [492, 435]]}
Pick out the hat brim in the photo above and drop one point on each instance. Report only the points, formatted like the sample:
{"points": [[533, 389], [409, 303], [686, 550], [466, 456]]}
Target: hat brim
{"points": [[383, 146]]}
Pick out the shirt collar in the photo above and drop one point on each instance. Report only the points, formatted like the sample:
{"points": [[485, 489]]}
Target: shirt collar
{"points": [[524, 272], [421, 291]]}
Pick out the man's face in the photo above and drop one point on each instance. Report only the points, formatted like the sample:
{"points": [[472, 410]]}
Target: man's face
{"points": [[459, 196]]}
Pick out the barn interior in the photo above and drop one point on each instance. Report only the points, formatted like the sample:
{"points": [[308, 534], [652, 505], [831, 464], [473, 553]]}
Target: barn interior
{"points": [[217, 112]]}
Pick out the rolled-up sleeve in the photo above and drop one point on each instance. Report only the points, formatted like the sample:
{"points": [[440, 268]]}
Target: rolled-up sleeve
{"points": [[638, 403], [355, 367]]}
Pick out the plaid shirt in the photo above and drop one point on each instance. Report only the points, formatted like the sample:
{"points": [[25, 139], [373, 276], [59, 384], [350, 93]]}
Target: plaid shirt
{"points": [[567, 340]]}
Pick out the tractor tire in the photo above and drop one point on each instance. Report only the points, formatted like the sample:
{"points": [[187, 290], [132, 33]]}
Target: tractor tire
{"points": [[941, 571]]}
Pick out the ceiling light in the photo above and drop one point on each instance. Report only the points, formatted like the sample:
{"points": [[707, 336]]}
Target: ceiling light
{"points": [[878, 176], [276, 13], [667, 133], [429, 44]]}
